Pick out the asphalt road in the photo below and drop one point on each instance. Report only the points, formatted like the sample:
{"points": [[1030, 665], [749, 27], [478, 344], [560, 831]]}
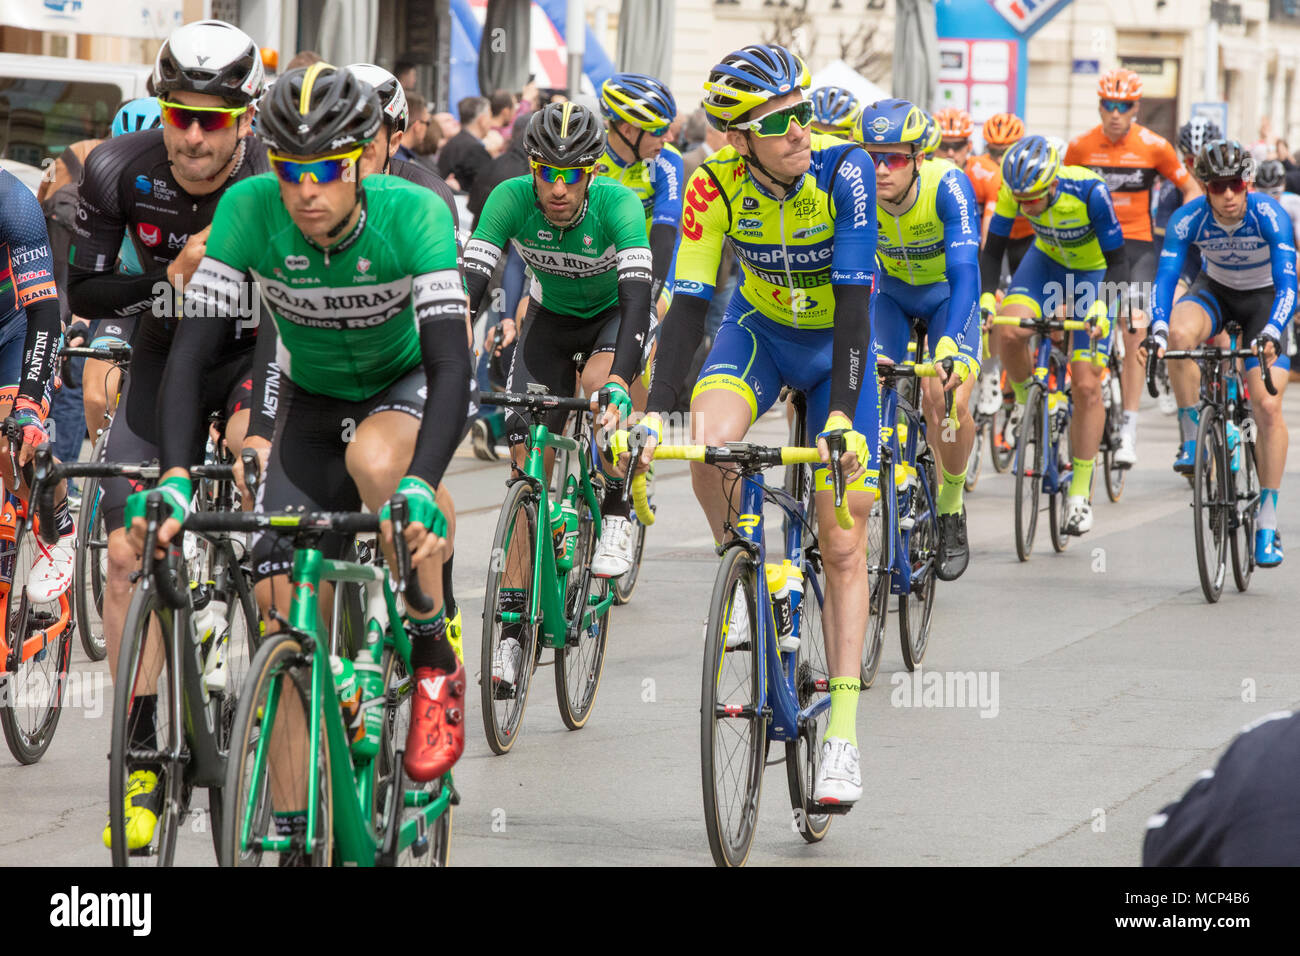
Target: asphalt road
{"points": [[1109, 684]]}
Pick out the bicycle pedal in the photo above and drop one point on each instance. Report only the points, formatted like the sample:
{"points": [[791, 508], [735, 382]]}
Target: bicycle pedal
{"points": [[835, 809]]}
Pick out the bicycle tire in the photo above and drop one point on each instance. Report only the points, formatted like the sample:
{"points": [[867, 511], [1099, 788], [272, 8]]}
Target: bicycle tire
{"points": [[1001, 455], [625, 584], [89, 572], [803, 754], [1208, 504], [975, 461], [502, 730], [174, 807], [397, 718], [278, 661], [880, 523], [1056, 505], [1115, 474], [29, 727], [1246, 494], [578, 668], [731, 822], [1029, 471], [916, 607]]}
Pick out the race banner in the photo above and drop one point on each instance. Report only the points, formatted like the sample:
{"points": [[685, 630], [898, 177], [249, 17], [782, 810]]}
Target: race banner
{"points": [[151, 19]]}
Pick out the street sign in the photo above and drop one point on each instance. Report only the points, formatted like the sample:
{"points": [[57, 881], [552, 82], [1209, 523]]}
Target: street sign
{"points": [[1086, 66], [1215, 112]]}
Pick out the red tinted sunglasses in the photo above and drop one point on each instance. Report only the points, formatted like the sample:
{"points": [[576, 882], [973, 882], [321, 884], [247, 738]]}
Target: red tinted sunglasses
{"points": [[209, 118], [1220, 186]]}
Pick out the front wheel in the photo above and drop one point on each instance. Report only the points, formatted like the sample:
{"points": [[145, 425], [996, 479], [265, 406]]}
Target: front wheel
{"points": [[1113, 391], [1029, 471], [733, 732], [578, 665], [811, 680], [1209, 503], [916, 607], [91, 568], [626, 584], [976, 459], [1246, 483], [1063, 448]]}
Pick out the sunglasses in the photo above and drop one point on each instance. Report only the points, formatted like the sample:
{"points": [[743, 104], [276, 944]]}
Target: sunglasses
{"points": [[893, 161], [1030, 200], [569, 175], [953, 145], [1117, 106], [1218, 187], [778, 122], [209, 118], [327, 169]]}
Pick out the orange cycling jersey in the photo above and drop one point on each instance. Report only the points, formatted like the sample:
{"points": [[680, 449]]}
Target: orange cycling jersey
{"points": [[986, 176], [1129, 168]]}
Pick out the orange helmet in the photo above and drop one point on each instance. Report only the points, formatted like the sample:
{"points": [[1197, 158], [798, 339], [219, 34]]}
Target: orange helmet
{"points": [[1003, 129], [1122, 85], [954, 123]]}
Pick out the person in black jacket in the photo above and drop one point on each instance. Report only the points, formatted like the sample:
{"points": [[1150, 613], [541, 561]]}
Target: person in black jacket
{"points": [[464, 155]]}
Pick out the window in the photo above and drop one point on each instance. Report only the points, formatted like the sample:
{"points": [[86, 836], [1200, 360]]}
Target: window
{"points": [[39, 119]]}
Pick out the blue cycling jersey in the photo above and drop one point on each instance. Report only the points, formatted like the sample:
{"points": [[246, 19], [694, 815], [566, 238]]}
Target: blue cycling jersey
{"points": [[1254, 253]]}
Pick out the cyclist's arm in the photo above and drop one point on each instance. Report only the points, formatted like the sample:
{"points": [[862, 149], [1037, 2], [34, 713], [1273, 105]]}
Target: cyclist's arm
{"points": [[1281, 241], [854, 196], [440, 316], [95, 289], [266, 379], [705, 220], [1183, 223], [666, 216], [634, 281], [960, 215], [1110, 238], [29, 243], [497, 225], [1005, 208]]}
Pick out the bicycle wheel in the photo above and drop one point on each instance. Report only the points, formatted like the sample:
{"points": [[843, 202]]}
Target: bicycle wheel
{"points": [[1242, 516], [916, 607], [625, 585], [1001, 444], [733, 732], [578, 666], [1056, 505], [391, 807], [31, 701], [144, 665], [91, 567], [513, 556], [280, 669], [1113, 393], [1029, 471], [1209, 497], [879, 535], [811, 677]]}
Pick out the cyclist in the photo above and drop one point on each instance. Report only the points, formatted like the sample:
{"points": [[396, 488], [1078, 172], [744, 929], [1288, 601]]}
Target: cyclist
{"points": [[985, 176], [799, 209], [361, 280], [162, 187], [928, 250], [584, 238], [835, 112], [1128, 156], [1248, 278], [1271, 179], [1001, 132], [1079, 245]]}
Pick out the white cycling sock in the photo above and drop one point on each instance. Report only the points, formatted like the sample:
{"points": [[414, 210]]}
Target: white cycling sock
{"points": [[1131, 424], [1188, 419], [1267, 517]]}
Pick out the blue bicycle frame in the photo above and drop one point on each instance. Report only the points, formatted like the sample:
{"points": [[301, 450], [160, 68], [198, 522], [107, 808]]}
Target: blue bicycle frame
{"points": [[896, 559], [1053, 477], [777, 697]]}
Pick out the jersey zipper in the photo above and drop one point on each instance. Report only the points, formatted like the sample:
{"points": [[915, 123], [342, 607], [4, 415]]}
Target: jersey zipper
{"points": [[789, 276], [907, 259]]}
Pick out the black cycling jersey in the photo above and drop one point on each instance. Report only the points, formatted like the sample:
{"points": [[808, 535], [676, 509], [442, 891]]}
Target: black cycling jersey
{"points": [[128, 186]]}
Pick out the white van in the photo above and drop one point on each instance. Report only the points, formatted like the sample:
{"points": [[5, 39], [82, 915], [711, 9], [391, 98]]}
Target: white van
{"points": [[49, 102]]}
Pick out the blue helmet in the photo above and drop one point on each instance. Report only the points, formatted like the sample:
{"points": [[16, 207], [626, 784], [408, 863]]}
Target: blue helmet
{"points": [[1030, 166], [836, 107], [893, 121], [748, 78], [640, 100], [135, 115]]}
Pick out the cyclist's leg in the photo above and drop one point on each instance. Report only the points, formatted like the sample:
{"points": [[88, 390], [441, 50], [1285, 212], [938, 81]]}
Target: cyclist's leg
{"points": [[100, 380], [543, 355], [1196, 317], [739, 382], [1272, 438], [1088, 416], [1025, 299], [953, 446], [1142, 258]]}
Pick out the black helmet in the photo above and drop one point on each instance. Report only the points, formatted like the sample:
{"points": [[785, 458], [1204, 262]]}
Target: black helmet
{"points": [[1223, 159], [392, 98], [1271, 174], [211, 57], [1196, 132], [565, 134], [318, 109]]}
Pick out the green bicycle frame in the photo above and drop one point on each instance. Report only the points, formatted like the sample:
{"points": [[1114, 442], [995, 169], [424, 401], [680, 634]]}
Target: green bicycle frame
{"points": [[546, 605], [352, 780]]}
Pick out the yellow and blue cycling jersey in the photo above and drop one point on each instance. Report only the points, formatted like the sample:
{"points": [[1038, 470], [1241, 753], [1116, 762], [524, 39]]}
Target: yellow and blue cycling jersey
{"points": [[929, 259], [1079, 225], [790, 251], [657, 182]]}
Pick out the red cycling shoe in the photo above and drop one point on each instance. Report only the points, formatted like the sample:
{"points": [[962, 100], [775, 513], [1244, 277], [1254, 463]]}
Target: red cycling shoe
{"points": [[436, 738]]}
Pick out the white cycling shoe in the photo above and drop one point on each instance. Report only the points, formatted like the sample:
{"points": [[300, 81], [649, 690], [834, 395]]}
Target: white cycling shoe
{"points": [[505, 666], [990, 396], [51, 572], [1078, 515], [738, 630], [1126, 454], [839, 777], [614, 551]]}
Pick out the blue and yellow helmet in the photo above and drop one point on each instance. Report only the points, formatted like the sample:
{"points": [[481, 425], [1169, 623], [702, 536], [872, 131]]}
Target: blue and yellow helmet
{"points": [[1030, 166], [835, 107], [638, 99], [748, 78], [892, 121]]}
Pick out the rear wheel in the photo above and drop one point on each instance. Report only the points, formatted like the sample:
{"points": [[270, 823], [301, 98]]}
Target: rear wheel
{"points": [[879, 536], [1029, 471], [1246, 482], [1001, 440], [578, 666], [1209, 504], [1112, 391], [91, 567], [732, 730], [1056, 506], [626, 584], [976, 455], [916, 608], [811, 680]]}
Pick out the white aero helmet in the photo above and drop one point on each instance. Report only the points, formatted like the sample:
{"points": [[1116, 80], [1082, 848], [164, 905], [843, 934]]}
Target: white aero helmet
{"points": [[212, 57], [392, 98]]}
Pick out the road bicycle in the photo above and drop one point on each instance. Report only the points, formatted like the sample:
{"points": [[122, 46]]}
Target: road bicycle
{"points": [[1112, 399], [1225, 481], [541, 555]]}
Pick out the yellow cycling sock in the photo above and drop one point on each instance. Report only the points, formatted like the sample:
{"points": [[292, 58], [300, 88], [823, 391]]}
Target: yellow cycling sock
{"points": [[844, 709], [1081, 482], [951, 492], [1022, 391]]}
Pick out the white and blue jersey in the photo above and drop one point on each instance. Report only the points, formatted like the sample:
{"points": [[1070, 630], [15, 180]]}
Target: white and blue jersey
{"points": [[1253, 254]]}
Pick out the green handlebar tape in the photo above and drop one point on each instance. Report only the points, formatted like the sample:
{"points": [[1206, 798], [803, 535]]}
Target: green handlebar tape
{"points": [[422, 503], [177, 492]]}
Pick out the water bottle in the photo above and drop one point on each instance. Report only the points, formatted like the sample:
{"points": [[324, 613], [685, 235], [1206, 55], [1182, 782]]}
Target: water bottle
{"points": [[794, 581], [209, 622], [8, 548], [569, 512], [781, 613], [345, 684], [370, 686], [1234, 445]]}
